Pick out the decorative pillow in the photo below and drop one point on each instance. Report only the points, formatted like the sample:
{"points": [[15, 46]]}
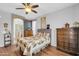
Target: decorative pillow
{"points": [[48, 35], [38, 34]]}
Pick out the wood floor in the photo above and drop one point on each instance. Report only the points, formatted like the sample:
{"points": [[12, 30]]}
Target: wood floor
{"points": [[49, 51]]}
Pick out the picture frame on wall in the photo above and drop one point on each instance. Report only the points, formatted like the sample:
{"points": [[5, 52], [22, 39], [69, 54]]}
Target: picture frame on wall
{"points": [[5, 25], [43, 22]]}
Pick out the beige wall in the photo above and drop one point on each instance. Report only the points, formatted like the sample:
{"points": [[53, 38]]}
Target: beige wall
{"points": [[59, 18]]}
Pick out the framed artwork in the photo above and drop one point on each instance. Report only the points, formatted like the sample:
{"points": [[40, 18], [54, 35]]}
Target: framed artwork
{"points": [[5, 25], [27, 25], [43, 22]]}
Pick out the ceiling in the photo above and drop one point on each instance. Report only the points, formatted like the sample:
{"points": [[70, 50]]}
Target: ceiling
{"points": [[44, 8]]}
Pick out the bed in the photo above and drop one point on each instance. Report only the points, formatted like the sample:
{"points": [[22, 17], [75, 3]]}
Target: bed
{"points": [[32, 45]]}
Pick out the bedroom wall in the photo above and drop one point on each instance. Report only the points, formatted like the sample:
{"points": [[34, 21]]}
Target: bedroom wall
{"points": [[59, 18], [4, 17]]}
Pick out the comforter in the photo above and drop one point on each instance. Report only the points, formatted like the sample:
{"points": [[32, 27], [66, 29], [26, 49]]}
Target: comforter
{"points": [[33, 44]]}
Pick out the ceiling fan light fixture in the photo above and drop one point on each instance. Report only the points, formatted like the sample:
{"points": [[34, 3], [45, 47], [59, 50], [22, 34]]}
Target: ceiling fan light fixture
{"points": [[28, 9]]}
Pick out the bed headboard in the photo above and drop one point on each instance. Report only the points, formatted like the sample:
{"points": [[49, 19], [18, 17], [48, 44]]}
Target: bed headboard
{"points": [[45, 30]]}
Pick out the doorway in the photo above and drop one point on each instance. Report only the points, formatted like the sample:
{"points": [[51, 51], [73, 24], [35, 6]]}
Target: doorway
{"points": [[18, 28]]}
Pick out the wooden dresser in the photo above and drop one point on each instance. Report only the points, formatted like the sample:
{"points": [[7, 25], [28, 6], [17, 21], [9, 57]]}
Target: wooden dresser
{"points": [[28, 33], [68, 40]]}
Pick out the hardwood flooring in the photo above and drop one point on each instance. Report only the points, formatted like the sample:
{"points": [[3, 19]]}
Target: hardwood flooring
{"points": [[49, 51], [9, 51]]}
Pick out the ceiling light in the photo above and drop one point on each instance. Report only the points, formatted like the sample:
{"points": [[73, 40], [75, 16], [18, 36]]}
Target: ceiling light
{"points": [[28, 9]]}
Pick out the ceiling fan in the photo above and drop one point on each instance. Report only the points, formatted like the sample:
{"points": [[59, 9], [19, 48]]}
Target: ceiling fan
{"points": [[29, 7]]}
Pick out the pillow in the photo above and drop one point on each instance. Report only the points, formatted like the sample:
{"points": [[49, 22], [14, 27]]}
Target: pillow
{"points": [[48, 34], [38, 34]]}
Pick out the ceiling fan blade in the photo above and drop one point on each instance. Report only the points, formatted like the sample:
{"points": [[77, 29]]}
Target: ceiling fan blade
{"points": [[34, 11], [28, 4], [35, 6], [20, 8], [24, 4]]}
